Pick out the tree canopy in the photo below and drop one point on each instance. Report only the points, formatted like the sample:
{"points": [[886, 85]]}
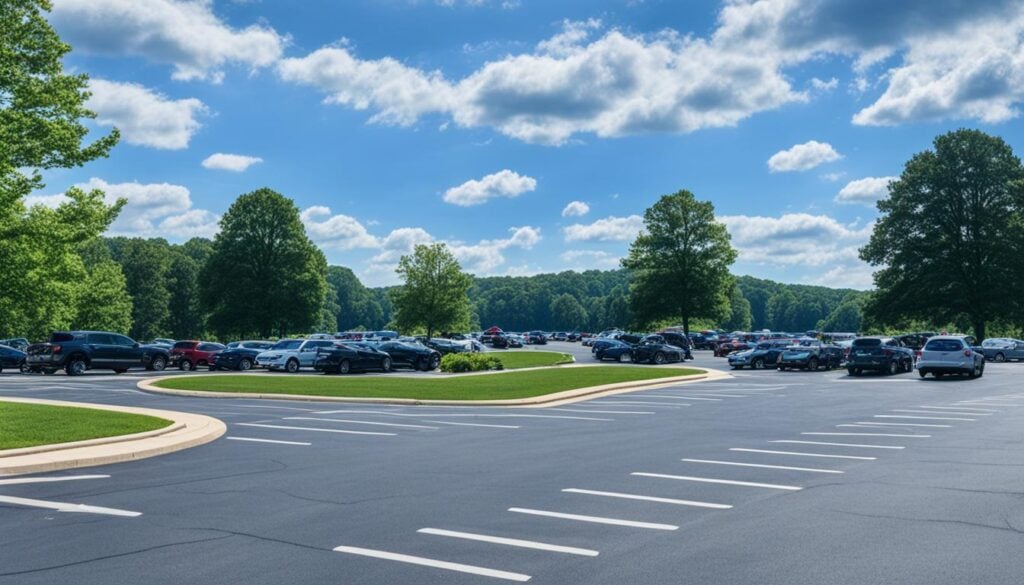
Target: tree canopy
{"points": [[434, 291]]}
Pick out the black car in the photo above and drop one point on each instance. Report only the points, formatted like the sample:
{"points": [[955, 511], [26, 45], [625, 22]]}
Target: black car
{"points": [[12, 359], [78, 351], [763, 355], [343, 358], [883, 354], [443, 346], [678, 339], [412, 356], [811, 356], [536, 338], [500, 341], [18, 343], [240, 356], [653, 352], [614, 350]]}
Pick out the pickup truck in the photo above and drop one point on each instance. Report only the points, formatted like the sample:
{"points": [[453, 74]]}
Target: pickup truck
{"points": [[78, 351]]}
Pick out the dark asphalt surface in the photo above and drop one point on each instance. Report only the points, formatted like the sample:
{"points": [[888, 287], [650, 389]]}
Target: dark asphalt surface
{"points": [[947, 508]]}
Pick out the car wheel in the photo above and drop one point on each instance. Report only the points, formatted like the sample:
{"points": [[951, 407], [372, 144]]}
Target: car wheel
{"points": [[981, 369], [158, 364], [23, 367], [245, 364], [385, 364], [76, 367], [850, 371], [1000, 357], [625, 357], [659, 358], [782, 368], [292, 366], [922, 373], [49, 372], [120, 371], [185, 366], [894, 367], [812, 364], [435, 362], [344, 367]]}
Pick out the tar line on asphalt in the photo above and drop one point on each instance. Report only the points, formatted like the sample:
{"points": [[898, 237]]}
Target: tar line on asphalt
{"points": [[570, 550], [763, 465], [648, 499], [595, 519], [870, 435], [718, 481], [801, 454], [359, 422], [425, 562], [288, 428], [254, 440]]}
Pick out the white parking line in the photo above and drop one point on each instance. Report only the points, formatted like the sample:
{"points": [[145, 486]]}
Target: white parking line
{"points": [[425, 562], [596, 411], [718, 395], [444, 422], [268, 441], [933, 412], [799, 454], [65, 507], [24, 480], [437, 414], [648, 499], [571, 550], [630, 402], [359, 422], [341, 431], [988, 410], [595, 519], [275, 407], [869, 435], [907, 416], [837, 444], [762, 466], [681, 397], [719, 481], [882, 424]]}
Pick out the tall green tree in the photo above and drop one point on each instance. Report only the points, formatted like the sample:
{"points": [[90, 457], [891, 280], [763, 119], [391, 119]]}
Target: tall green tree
{"points": [[950, 240], [185, 318], [740, 317], [264, 275], [104, 303], [41, 113], [144, 263], [434, 291], [680, 262], [567, 313]]}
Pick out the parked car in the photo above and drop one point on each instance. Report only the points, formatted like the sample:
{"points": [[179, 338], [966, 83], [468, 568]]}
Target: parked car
{"points": [[445, 346], [1001, 349], [559, 336], [417, 357], [701, 341], [655, 353], [500, 341], [680, 340], [536, 338], [486, 336], [292, 354], [728, 346], [162, 342], [349, 357], [240, 356], [189, 355], [883, 354], [12, 359], [764, 355], [515, 341], [380, 336], [18, 343], [78, 351], [809, 357], [951, 354], [612, 349]]}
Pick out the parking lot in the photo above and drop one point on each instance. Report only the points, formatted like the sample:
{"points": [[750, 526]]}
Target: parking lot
{"points": [[767, 477]]}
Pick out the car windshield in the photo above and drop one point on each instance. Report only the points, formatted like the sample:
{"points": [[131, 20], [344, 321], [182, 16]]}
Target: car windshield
{"points": [[943, 345], [288, 344], [867, 342]]}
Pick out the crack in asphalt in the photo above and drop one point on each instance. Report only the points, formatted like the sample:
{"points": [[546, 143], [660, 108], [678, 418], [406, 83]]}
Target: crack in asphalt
{"points": [[1006, 528]]}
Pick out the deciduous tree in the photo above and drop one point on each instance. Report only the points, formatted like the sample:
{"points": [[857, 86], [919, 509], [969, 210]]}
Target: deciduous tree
{"points": [[434, 291]]}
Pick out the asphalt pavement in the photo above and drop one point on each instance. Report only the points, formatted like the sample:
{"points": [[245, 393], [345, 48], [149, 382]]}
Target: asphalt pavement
{"points": [[769, 477]]}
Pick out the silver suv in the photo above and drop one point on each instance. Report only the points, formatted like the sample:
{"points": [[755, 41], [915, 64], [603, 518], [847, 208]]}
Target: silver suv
{"points": [[950, 354], [291, 354]]}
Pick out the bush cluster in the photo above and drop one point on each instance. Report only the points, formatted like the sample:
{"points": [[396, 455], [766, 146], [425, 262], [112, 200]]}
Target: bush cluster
{"points": [[469, 362]]}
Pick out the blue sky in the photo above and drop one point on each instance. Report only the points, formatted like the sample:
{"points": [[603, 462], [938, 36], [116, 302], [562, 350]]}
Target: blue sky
{"points": [[530, 135]]}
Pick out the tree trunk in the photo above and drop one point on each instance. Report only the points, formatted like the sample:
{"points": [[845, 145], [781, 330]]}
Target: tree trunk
{"points": [[979, 331], [686, 324]]}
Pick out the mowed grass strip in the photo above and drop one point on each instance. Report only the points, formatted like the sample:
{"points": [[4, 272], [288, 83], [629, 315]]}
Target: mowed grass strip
{"points": [[497, 386], [516, 360], [30, 425]]}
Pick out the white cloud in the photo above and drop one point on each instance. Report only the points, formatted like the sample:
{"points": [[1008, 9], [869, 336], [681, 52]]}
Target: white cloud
{"points": [[611, 228], [794, 239], [481, 258], [187, 35], [589, 259], [823, 85], [144, 117], [575, 209], [501, 184], [340, 232], [833, 177], [865, 191], [230, 162], [853, 275], [802, 157]]}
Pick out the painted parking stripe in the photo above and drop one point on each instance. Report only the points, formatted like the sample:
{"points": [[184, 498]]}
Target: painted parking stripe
{"points": [[988, 410], [253, 440], [882, 424], [595, 519], [425, 562], [359, 422], [869, 435], [763, 466], [717, 395], [632, 402], [718, 481], [788, 441], [340, 431], [597, 411], [912, 417], [65, 507], [648, 499], [801, 454], [681, 397], [570, 550], [438, 414], [457, 424], [24, 480], [933, 412], [275, 407]]}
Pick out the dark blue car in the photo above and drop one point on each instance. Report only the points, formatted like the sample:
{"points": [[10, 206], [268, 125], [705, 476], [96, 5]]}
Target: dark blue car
{"points": [[613, 350]]}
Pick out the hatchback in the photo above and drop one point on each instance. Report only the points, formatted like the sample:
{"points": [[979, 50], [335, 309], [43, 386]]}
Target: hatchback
{"points": [[950, 355]]}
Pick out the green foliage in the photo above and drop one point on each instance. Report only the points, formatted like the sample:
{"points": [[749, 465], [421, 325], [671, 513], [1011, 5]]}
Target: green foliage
{"points": [[145, 264], [950, 240], [469, 362], [434, 294], [567, 314], [740, 318], [104, 303], [185, 317], [359, 309], [792, 307], [264, 274], [680, 262]]}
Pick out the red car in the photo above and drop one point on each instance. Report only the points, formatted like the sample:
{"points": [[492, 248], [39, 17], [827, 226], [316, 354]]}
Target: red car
{"points": [[187, 355], [726, 347]]}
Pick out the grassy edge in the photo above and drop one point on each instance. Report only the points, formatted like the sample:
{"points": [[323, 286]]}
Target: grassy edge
{"points": [[25, 424]]}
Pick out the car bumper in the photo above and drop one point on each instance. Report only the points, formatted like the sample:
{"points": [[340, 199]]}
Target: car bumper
{"points": [[932, 366]]}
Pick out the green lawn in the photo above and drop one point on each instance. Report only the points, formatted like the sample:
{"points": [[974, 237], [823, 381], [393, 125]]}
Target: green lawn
{"points": [[498, 386], [28, 425], [514, 360]]}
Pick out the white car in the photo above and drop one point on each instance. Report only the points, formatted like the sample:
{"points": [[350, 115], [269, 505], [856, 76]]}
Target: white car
{"points": [[292, 354], [950, 354]]}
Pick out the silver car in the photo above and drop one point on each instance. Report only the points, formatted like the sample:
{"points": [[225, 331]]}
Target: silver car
{"points": [[950, 354], [1001, 349], [292, 354]]}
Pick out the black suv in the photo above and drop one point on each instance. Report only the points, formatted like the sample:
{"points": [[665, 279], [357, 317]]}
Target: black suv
{"points": [[78, 351]]}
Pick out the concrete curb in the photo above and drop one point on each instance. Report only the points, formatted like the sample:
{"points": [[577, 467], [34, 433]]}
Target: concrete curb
{"points": [[187, 430], [547, 400]]}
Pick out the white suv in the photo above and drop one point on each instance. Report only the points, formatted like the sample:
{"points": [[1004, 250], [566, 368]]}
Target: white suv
{"points": [[950, 354], [291, 354]]}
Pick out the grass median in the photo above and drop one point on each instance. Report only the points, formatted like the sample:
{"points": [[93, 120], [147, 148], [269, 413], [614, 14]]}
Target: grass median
{"points": [[495, 386], [515, 360], [30, 425]]}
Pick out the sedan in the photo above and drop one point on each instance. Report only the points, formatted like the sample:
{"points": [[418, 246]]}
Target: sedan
{"points": [[350, 357], [655, 353], [408, 355], [614, 350], [12, 359], [241, 356]]}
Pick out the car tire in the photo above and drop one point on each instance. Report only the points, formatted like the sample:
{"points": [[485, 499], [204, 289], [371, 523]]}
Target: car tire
{"points": [[158, 364], [922, 373], [981, 370], [385, 364], [435, 362], [999, 358], [185, 366], [894, 367], [659, 358], [625, 357], [292, 366], [812, 364], [23, 368], [344, 367], [245, 364], [76, 366]]}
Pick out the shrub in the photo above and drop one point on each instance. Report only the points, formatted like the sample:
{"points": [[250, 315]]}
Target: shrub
{"points": [[469, 362]]}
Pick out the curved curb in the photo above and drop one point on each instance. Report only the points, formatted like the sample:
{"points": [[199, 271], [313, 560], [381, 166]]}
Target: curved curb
{"points": [[187, 430], [546, 400]]}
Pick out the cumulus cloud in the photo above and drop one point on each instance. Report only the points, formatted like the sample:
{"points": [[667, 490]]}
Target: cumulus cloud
{"points": [[145, 117], [501, 184], [187, 35], [611, 228], [575, 209], [794, 238], [230, 162], [802, 157], [340, 232], [865, 191]]}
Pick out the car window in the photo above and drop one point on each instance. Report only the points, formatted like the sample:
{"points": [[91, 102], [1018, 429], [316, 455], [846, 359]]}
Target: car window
{"points": [[288, 344], [867, 342], [184, 345], [943, 345], [100, 339], [61, 337], [210, 346], [122, 341]]}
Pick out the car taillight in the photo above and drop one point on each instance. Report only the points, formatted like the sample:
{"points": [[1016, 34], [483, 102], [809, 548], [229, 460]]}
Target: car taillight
{"points": [[55, 348], [967, 353]]}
